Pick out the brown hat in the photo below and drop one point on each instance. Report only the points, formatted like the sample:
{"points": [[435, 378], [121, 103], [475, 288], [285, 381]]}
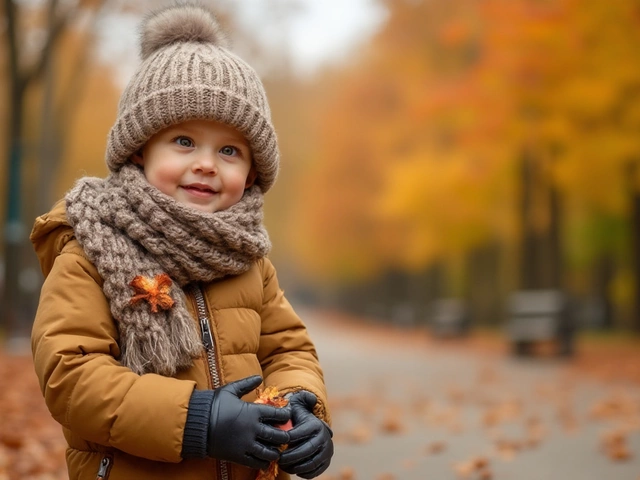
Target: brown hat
{"points": [[187, 74]]}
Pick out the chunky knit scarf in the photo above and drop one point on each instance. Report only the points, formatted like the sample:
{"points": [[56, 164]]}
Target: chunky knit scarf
{"points": [[146, 246]]}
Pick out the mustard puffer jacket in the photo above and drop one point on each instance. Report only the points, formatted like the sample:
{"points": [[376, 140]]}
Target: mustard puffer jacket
{"points": [[120, 425]]}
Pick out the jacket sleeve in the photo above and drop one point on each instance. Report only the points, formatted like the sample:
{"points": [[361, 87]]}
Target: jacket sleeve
{"points": [[74, 344], [287, 354]]}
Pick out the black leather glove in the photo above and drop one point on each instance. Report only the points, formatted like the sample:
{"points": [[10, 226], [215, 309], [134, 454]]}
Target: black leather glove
{"points": [[240, 431], [310, 446]]}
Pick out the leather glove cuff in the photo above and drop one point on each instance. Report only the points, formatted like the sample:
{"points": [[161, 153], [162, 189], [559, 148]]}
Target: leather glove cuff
{"points": [[194, 442]]}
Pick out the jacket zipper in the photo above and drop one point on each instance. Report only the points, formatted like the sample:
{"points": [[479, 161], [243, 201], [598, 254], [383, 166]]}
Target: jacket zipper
{"points": [[105, 463], [210, 348], [207, 337]]}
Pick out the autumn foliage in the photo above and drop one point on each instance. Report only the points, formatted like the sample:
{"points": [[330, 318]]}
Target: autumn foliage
{"points": [[419, 139], [409, 153]]}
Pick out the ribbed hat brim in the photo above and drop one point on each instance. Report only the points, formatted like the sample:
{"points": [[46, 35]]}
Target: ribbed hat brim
{"points": [[174, 105]]}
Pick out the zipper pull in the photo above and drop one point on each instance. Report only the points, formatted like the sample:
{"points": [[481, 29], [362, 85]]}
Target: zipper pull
{"points": [[104, 466], [207, 338]]}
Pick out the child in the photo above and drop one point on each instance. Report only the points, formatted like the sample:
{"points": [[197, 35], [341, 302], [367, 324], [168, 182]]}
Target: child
{"points": [[160, 310]]}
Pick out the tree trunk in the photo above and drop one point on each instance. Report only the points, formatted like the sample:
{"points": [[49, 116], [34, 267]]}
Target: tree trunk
{"points": [[483, 285], [555, 239], [14, 321], [49, 157], [528, 250], [604, 272], [15, 317], [635, 228]]}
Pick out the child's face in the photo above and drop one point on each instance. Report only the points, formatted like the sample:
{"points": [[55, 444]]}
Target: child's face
{"points": [[203, 164]]}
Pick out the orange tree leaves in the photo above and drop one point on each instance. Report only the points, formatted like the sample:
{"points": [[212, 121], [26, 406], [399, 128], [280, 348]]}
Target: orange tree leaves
{"points": [[418, 142]]}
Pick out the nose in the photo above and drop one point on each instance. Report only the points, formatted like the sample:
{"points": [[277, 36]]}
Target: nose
{"points": [[205, 163]]}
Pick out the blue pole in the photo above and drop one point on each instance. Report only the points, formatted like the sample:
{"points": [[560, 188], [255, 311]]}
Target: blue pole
{"points": [[15, 330]]}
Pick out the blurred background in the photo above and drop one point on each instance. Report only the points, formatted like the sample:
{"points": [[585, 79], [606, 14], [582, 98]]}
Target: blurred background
{"points": [[438, 157], [451, 169]]}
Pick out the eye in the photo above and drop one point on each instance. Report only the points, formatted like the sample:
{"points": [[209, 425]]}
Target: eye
{"points": [[184, 141], [229, 150]]}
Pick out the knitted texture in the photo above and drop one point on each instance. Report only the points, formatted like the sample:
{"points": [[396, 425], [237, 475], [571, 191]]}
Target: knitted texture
{"points": [[130, 229], [188, 74], [196, 428]]}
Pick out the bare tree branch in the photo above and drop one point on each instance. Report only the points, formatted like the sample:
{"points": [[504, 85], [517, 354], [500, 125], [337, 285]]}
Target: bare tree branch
{"points": [[54, 30], [71, 95], [12, 43]]}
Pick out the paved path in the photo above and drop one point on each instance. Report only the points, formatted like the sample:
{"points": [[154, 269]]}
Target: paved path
{"points": [[409, 409]]}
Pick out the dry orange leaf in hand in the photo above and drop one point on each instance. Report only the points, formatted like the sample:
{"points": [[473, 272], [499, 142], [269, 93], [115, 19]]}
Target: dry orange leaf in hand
{"points": [[154, 290], [271, 396]]}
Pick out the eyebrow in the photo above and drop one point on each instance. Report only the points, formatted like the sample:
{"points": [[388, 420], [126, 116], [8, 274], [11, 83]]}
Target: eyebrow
{"points": [[236, 139]]}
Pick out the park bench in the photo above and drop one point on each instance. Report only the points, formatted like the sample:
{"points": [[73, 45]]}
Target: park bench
{"points": [[536, 316]]}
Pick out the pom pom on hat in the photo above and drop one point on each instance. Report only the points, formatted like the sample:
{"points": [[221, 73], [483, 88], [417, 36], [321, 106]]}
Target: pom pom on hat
{"points": [[180, 23]]}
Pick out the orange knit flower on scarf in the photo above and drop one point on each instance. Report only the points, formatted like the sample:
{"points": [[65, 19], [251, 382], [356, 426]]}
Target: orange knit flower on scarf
{"points": [[154, 290]]}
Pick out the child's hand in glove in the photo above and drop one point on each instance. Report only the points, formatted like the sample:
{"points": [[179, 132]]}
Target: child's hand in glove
{"points": [[243, 432], [310, 446]]}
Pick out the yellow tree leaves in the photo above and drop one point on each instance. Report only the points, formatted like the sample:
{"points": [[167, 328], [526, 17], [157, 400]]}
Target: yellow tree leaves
{"points": [[338, 233], [87, 126], [401, 183], [419, 142], [572, 74]]}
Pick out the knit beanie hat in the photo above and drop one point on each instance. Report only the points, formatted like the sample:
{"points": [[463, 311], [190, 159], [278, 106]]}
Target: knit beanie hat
{"points": [[187, 74]]}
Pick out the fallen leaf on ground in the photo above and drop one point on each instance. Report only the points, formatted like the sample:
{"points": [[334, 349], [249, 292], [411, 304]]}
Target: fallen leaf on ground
{"points": [[615, 446], [391, 422], [477, 465], [435, 447], [347, 473]]}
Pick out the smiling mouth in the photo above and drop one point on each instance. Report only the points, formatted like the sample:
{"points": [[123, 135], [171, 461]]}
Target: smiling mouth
{"points": [[199, 191]]}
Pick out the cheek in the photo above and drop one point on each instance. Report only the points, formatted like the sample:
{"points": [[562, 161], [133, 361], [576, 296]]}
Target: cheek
{"points": [[237, 181], [163, 177]]}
